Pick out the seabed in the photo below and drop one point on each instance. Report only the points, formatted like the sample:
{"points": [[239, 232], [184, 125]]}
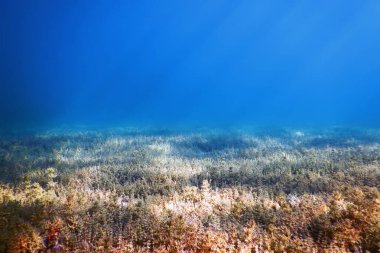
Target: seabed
{"points": [[131, 190]]}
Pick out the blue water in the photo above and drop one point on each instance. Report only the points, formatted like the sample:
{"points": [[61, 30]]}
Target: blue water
{"points": [[193, 63]]}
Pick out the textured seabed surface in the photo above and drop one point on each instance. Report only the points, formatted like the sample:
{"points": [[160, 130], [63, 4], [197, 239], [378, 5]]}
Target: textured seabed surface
{"points": [[133, 190]]}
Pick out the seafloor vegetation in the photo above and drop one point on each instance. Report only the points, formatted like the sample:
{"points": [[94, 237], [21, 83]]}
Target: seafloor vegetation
{"points": [[131, 191]]}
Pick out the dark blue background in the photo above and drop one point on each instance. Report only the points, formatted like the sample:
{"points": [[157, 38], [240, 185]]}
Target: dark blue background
{"points": [[189, 62]]}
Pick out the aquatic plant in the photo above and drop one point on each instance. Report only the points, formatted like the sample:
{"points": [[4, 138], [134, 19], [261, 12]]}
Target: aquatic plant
{"points": [[189, 193]]}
